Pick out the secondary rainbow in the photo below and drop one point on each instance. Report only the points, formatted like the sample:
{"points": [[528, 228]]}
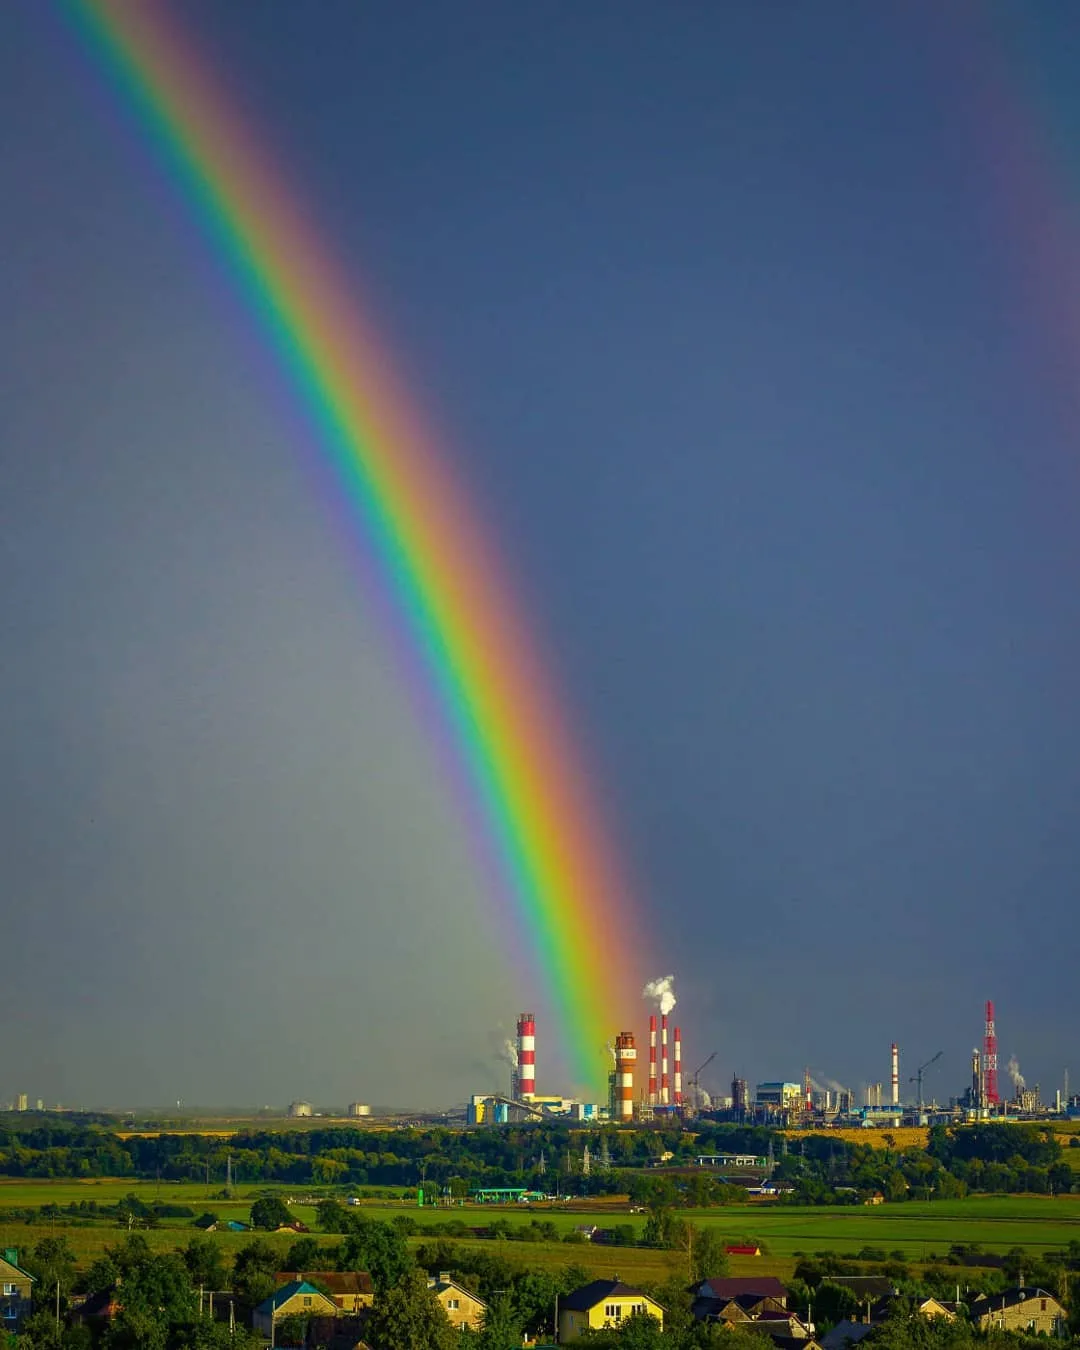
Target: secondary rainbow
{"points": [[555, 864]]}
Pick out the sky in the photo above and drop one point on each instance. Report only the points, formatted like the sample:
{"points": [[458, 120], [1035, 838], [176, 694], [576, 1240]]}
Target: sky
{"points": [[754, 332]]}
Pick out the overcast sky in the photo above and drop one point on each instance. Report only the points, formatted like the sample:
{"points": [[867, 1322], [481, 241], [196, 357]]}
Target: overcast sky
{"points": [[754, 328]]}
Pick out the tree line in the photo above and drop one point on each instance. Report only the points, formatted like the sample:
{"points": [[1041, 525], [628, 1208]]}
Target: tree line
{"points": [[552, 1156]]}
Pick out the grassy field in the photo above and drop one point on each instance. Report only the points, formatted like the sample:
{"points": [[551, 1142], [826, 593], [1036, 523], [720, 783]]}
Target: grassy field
{"points": [[921, 1231]]}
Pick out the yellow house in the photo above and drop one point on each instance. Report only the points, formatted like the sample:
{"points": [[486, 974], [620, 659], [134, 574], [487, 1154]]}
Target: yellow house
{"points": [[603, 1303], [351, 1290], [16, 1291], [461, 1305], [296, 1299], [1033, 1311]]}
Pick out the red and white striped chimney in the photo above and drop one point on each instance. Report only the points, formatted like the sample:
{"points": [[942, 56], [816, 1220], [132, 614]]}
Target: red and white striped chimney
{"points": [[665, 1092], [652, 1060], [677, 1087], [625, 1055], [895, 1074], [526, 1052]]}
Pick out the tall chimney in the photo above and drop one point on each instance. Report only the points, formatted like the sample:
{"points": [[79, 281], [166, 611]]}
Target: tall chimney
{"points": [[625, 1055], [895, 1075], [526, 1050], [652, 1060], [677, 1085], [665, 1095]]}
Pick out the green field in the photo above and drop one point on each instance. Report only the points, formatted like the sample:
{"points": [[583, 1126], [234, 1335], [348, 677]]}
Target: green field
{"points": [[922, 1231]]}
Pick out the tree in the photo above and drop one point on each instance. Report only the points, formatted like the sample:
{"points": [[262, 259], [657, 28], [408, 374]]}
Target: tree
{"points": [[640, 1331], [291, 1330], [834, 1302], [503, 1327], [207, 1335], [270, 1213], [102, 1275], [304, 1254], [380, 1250], [205, 1263], [253, 1271], [158, 1299], [330, 1215], [53, 1266], [707, 1257], [409, 1317]]}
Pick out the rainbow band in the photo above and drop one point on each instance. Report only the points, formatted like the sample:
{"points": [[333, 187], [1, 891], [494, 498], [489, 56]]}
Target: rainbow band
{"points": [[508, 735]]}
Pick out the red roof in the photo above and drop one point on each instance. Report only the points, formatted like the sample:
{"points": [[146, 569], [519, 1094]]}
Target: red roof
{"points": [[743, 1251], [340, 1283]]}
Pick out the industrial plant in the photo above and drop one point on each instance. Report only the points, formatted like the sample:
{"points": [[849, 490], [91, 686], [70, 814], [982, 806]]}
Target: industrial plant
{"points": [[661, 1096]]}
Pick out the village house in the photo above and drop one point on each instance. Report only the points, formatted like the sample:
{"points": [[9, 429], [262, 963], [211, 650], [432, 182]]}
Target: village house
{"points": [[922, 1307], [603, 1303], [351, 1290], [461, 1305], [1030, 1310], [295, 1299], [16, 1291]]}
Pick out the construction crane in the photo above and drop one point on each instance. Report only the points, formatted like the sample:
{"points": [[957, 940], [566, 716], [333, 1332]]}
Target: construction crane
{"points": [[919, 1075], [693, 1082]]}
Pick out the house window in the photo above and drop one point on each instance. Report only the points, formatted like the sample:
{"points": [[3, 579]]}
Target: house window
{"points": [[613, 1311], [10, 1289], [1043, 1302], [453, 1304]]}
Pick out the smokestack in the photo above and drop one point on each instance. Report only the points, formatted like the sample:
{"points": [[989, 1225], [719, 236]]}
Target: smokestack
{"points": [[895, 1074], [976, 1079], [526, 1053], [625, 1055], [652, 1060], [677, 1092]]}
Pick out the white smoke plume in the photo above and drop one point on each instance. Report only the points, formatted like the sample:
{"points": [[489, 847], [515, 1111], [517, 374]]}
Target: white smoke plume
{"points": [[1015, 1074], [510, 1053], [662, 990], [834, 1086]]}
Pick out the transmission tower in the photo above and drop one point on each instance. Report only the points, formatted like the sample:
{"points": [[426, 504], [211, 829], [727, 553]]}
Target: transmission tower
{"points": [[990, 1087]]}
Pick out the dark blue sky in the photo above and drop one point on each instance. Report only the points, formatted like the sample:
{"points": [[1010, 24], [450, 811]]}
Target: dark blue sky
{"points": [[727, 315]]}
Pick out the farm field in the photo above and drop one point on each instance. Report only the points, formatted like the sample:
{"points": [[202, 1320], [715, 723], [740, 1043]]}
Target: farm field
{"points": [[919, 1230], [922, 1231], [899, 1137]]}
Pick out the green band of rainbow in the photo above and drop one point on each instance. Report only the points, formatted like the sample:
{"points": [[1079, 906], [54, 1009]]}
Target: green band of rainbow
{"points": [[510, 735]]}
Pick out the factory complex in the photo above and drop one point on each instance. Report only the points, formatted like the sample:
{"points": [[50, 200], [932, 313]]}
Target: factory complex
{"points": [[660, 1096]]}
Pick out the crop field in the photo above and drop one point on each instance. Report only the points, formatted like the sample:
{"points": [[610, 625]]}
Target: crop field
{"points": [[902, 1136]]}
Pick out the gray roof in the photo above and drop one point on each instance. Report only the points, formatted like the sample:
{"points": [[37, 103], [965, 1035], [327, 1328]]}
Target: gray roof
{"points": [[1008, 1298], [589, 1295], [846, 1333]]}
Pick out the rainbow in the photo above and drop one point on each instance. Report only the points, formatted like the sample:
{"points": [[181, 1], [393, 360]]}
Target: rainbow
{"points": [[556, 878]]}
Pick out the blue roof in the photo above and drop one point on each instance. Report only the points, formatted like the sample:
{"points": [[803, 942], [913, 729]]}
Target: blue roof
{"points": [[286, 1292]]}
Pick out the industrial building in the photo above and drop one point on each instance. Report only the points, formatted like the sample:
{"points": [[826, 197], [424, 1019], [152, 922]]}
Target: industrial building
{"points": [[658, 1093], [781, 1098]]}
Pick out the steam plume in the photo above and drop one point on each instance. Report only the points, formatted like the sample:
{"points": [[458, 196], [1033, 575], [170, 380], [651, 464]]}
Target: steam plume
{"points": [[510, 1053], [1015, 1074], [662, 989]]}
